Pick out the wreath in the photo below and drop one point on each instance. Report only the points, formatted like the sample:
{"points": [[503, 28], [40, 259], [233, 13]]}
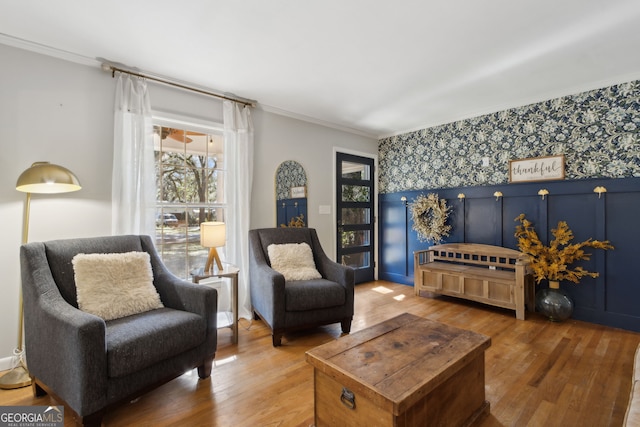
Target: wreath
{"points": [[429, 215]]}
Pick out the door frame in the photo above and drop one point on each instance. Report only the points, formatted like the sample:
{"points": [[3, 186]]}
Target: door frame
{"points": [[334, 251]]}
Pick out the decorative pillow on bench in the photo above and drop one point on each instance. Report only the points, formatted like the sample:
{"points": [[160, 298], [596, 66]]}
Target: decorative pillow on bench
{"points": [[293, 260], [115, 285]]}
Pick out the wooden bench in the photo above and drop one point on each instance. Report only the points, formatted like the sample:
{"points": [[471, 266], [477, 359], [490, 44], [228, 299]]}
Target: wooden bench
{"points": [[489, 274]]}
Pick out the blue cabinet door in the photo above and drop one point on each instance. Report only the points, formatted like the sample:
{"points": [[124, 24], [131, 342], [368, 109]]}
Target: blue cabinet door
{"points": [[392, 234]]}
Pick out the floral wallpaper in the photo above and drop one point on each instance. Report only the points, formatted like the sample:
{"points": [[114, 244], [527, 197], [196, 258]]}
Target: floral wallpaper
{"points": [[597, 131], [289, 174]]}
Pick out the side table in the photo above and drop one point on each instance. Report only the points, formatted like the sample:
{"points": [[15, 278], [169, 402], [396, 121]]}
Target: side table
{"points": [[225, 319]]}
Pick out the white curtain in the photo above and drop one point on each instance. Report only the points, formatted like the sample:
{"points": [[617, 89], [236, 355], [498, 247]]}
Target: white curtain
{"points": [[133, 178], [238, 140]]}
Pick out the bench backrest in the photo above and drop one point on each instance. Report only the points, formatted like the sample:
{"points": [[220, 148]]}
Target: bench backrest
{"points": [[476, 253]]}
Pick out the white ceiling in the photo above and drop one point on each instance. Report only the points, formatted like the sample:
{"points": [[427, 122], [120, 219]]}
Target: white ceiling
{"points": [[376, 67]]}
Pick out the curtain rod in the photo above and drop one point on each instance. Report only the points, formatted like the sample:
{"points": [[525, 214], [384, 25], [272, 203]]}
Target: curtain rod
{"points": [[108, 67]]}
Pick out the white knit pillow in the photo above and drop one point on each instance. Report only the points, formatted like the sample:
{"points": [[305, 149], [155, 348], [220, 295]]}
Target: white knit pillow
{"points": [[115, 285], [294, 261]]}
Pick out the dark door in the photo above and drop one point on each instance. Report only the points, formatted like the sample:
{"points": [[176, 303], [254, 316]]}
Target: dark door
{"points": [[355, 214]]}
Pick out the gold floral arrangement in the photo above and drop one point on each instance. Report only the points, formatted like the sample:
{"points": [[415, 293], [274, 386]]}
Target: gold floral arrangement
{"points": [[429, 215], [552, 262], [295, 222]]}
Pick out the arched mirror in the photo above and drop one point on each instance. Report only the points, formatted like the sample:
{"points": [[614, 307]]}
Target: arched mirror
{"points": [[291, 195]]}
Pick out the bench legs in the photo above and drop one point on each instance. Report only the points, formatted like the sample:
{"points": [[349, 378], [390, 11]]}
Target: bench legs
{"points": [[519, 300], [520, 311], [525, 297]]}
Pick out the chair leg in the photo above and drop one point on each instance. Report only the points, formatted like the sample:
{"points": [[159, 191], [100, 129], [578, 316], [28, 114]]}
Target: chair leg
{"points": [[93, 420], [277, 339], [204, 370], [36, 389], [346, 325]]}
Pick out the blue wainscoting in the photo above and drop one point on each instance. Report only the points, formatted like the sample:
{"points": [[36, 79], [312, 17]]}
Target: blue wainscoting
{"points": [[612, 299], [288, 209]]}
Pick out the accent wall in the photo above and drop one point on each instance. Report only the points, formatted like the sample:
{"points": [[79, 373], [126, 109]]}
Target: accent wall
{"points": [[599, 134], [597, 131]]}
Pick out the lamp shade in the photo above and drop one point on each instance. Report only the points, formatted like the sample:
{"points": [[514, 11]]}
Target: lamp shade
{"points": [[45, 177], [213, 234]]}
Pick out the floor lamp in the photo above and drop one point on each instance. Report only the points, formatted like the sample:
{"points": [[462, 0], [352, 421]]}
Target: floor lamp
{"points": [[45, 178]]}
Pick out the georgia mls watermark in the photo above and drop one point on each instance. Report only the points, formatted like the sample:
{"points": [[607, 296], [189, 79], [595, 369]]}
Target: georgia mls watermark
{"points": [[31, 416]]}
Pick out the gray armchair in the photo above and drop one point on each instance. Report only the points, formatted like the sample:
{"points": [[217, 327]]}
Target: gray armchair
{"points": [[299, 304], [92, 364]]}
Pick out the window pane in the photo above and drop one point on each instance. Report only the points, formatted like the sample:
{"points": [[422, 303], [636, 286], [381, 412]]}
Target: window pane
{"points": [[171, 238], [215, 189], [355, 171], [197, 256], [355, 238], [196, 181], [193, 249], [170, 178], [359, 260], [356, 216], [355, 193], [198, 214], [170, 225], [173, 160]]}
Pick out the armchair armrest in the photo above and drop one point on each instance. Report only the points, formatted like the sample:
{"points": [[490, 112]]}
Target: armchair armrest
{"points": [[266, 285], [335, 272], [65, 346], [330, 269], [338, 273], [180, 294], [342, 275]]}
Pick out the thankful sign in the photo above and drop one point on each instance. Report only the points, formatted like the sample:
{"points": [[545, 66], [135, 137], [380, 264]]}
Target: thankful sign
{"points": [[537, 169]]}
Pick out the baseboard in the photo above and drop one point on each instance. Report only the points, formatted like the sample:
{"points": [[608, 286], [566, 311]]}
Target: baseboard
{"points": [[5, 363]]}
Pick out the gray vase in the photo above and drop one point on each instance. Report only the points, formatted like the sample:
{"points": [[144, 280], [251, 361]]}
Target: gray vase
{"points": [[554, 303]]}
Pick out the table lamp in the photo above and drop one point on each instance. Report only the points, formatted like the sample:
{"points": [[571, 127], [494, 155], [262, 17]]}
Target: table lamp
{"points": [[213, 234], [44, 178]]}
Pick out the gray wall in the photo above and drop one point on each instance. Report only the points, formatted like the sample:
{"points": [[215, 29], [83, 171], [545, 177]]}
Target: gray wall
{"points": [[283, 138], [62, 112]]}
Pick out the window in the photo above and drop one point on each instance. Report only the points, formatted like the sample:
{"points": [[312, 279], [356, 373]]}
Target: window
{"points": [[190, 190]]}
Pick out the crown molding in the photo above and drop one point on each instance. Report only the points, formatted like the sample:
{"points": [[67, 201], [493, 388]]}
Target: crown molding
{"points": [[93, 62], [302, 117], [47, 50]]}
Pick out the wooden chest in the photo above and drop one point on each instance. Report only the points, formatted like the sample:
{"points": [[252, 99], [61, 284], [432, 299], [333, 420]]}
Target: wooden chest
{"points": [[406, 371]]}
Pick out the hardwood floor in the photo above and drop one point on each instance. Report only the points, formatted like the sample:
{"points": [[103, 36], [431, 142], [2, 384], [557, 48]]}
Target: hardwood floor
{"points": [[538, 373]]}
